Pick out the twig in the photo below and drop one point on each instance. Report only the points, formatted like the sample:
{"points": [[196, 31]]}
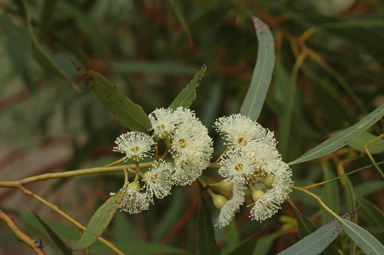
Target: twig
{"points": [[20, 235], [95, 170], [69, 218]]}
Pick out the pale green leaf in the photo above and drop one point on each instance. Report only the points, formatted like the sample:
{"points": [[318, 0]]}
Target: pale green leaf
{"points": [[262, 73], [188, 94], [366, 241], [100, 221], [342, 138], [315, 242], [130, 115], [206, 243]]}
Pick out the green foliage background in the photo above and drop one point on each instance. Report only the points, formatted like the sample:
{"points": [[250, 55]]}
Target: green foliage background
{"points": [[150, 50]]}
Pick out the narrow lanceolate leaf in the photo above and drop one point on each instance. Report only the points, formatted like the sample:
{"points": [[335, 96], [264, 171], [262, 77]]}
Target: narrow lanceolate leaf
{"points": [[100, 221], [63, 247], [41, 56], [366, 137], [367, 242], [307, 227], [129, 114], [315, 242], [342, 138], [262, 73], [188, 94], [245, 247], [371, 213], [206, 243], [330, 194]]}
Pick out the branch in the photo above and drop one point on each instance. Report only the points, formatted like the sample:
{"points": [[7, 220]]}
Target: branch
{"points": [[67, 174], [20, 235], [69, 218]]}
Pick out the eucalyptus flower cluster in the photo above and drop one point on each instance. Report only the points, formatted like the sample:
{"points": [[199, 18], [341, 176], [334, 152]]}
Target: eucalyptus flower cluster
{"points": [[187, 142], [251, 162]]}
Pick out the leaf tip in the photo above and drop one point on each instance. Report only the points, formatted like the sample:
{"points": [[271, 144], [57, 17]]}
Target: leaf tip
{"points": [[260, 26]]}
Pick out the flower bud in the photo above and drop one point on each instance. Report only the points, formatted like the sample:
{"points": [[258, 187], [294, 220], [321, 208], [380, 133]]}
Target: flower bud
{"points": [[219, 201], [225, 185], [268, 180], [134, 185], [257, 194]]}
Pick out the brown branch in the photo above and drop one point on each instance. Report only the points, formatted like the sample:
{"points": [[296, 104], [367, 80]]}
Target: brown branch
{"points": [[69, 218], [20, 235]]}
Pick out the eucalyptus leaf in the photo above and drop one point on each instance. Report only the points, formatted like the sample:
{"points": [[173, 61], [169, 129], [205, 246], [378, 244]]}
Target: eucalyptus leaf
{"points": [[245, 247], [315, 242], [307, 227], [100, 221], [264, 244], [188, 94], [330, 194], [206, 243], [367, 188], [363, 139], [129, 114], [366, 241], [371, 213], [262, 73], [342, 138]]}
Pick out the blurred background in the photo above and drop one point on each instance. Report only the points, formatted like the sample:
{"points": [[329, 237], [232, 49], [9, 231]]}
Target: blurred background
{"points": [[50, 121]]}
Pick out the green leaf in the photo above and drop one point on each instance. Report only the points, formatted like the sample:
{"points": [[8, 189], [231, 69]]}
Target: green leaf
{"points": [[264, 244], [100, 221], [350, 201], [315, 242], [350, 198], [371, 213], [245, 247], [262, 73], [288, 100], [63, 247], [304, 224], [206, 243], [359, 143], [367, 188], [330, 194], [307, 227], [232, 238], [130, 115], [367, 242], [41, 56], [343, 138], [188, 94]]}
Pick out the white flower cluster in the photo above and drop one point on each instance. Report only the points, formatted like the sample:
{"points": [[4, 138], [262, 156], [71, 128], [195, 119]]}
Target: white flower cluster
{"points": [[188, 143], [252, 159], [187, 140]]}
